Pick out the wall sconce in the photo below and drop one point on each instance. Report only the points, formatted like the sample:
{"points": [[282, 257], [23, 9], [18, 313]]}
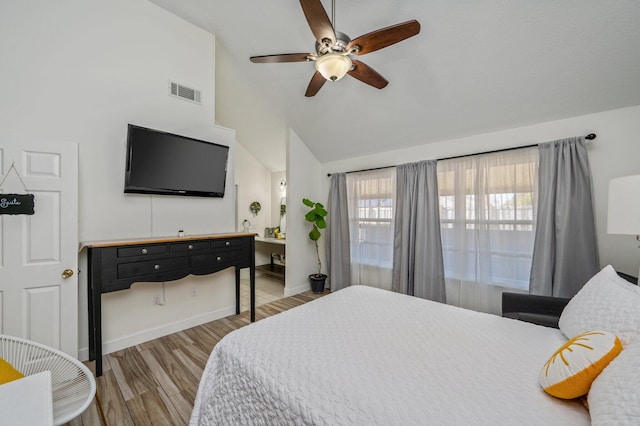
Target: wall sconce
{"points": [[283, 186]]}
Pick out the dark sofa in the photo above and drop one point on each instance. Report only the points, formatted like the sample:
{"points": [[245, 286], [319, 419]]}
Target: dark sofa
{"points": [[541, 310]]}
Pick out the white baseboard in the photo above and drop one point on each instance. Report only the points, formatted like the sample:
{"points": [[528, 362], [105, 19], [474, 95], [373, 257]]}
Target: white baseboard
{"points": [[156, 332], [291, 291]]}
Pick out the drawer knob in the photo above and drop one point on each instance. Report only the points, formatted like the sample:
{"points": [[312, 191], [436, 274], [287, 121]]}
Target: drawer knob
{"points": [[190, 246], [227, 244], [218, 258], [156, 267], [144, 251]]}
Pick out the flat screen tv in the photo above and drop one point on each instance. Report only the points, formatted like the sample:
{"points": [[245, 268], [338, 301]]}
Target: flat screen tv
{"points": [[163, 163]]}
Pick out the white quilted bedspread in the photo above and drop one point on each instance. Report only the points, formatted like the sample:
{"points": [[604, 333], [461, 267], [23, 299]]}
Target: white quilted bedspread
{"points": [[364, 356]]}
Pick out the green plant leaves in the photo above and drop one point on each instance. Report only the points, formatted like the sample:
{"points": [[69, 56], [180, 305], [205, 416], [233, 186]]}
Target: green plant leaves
{"points": [[320, 222], [316, 216], [255, 207], [314, 235]]}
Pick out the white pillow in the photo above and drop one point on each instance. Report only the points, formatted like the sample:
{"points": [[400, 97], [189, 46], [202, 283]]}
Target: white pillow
{"points": [[606, 302], [614, 397]]}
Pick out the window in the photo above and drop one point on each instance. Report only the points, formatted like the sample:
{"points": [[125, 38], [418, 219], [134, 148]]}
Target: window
{"points": [[371, 205], [487, 216]]}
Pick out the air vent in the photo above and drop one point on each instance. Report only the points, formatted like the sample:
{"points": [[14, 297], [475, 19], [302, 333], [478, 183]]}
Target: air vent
{"points": [[184, 92]]}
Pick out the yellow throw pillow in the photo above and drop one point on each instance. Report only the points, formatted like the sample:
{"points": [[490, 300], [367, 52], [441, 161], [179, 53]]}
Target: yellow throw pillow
{"points": [[8, 373], [570, 371]]}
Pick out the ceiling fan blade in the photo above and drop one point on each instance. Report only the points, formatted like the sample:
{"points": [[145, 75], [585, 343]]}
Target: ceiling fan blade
{"points": [[384, 37], [287, 57], [318, 21], [316, 83], [368, 75]]}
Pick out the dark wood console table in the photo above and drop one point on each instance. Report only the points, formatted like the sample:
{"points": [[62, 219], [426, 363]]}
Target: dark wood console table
{"points": [[115, 265]]}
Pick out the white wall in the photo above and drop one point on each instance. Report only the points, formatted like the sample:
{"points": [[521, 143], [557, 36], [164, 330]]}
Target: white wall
{"points": [[254, 184], [261, 129], [259, 126], [614, 153], [80, 71], [304, 180]]}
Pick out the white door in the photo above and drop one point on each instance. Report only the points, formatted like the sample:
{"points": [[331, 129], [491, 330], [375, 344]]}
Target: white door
{"points": [[37, 302]]}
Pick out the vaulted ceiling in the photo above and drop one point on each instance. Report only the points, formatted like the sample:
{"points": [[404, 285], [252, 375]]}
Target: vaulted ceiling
{"points": [[477, 66]]}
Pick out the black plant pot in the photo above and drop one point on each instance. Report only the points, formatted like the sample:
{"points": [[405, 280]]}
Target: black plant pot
{"points": [[317, 282]]}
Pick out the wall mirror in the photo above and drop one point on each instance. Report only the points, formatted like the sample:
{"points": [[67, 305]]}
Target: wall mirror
{"points": [[283, 215]]}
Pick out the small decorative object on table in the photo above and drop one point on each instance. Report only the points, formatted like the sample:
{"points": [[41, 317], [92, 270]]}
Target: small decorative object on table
{"points": [[268, 233]]}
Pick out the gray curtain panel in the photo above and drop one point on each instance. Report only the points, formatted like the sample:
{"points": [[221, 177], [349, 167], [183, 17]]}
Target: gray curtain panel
{"points": [[338, 245], [565, 253], [418, 268]]}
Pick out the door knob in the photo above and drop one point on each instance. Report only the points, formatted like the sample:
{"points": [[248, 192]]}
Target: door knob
{"points": [[67, 273]]}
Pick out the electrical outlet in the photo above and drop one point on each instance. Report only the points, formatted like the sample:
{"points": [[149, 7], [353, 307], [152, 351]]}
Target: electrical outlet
{"points": [[194, 292], [156, 300]]}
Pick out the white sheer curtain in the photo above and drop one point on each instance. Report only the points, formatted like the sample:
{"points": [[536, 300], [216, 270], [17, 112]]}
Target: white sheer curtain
{"points": [[487, 215], [371, 199]]}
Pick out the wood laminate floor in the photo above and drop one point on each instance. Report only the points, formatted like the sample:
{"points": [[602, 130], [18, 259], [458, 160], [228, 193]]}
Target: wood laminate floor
{"points": [[268, 289], [155, 383]]}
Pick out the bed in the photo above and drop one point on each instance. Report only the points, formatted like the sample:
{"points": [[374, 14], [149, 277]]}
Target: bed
{"points": [[368, 356]]}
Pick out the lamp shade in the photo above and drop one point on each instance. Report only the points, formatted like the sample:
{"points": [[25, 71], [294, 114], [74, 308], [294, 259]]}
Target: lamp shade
{"points": [[624, 206], [333, 66]]}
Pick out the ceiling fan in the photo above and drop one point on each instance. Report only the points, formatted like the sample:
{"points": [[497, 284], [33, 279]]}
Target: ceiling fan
{"points": [[334, 49]]}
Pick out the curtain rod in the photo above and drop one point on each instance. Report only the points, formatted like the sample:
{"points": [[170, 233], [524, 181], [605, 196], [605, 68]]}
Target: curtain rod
{"points": [[590, 137]]}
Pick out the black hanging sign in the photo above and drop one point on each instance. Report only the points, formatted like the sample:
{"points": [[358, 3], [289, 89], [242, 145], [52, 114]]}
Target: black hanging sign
{"points": [[16, 204]]}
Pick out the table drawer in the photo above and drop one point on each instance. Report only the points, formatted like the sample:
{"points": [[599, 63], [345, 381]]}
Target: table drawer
{"points": [[189, 246], [142, 250], [150, 267], [232, 243], [213, 259]]}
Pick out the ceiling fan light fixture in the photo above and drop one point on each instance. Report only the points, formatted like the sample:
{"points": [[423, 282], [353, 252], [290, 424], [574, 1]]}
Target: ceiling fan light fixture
{"points": [[333, 66], [333, 48]]}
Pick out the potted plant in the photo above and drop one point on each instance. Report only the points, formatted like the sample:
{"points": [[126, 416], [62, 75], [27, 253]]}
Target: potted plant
{"points": [[316, 216]]}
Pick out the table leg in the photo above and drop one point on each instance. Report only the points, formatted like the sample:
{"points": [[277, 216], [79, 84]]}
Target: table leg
{"points": [[94, 296], [237, 290], [252, 279], [253, 294], [92, 321], [97, 302]]}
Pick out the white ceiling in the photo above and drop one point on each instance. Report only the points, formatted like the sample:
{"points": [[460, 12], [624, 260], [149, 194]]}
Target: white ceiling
{"points": [[477, 66]]}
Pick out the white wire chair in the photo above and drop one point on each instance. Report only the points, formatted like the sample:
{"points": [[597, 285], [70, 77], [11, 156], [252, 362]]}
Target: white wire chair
{"points": [[73, 385]]}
